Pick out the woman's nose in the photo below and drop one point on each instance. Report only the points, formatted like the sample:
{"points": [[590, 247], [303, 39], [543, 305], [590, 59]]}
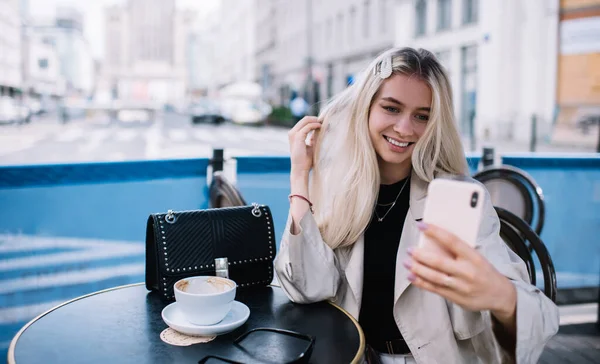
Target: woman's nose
{"points": [[403, 125]]}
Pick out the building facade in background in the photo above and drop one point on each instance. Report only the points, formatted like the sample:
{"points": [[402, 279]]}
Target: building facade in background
{"points": [[11, 75], [323, 44], [236, 45], [266, 47], [347, 36], [61, 40], [501, 57], [578, 88], [287, 46], [146, 51], [43, 77], [202, 58]]}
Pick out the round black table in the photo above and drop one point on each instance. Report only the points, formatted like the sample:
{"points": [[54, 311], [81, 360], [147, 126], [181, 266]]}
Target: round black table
{"points": [[123, 325]]}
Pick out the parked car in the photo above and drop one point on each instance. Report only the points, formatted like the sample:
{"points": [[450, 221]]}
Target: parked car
{"points": [[205, 111], [242, 103], [249, 112], [588, 121], [12, 112], [134, 116]]}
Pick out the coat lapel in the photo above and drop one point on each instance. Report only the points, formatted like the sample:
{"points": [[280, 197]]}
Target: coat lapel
{"points": [[410, 233], [354, 271]]}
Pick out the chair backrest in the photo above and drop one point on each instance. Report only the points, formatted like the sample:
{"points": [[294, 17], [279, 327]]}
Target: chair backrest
{"points": [[520, 237], [516, 191], [223, 193]]}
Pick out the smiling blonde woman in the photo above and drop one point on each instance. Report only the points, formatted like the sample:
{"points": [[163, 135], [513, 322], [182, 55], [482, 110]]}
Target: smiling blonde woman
{"points": [[359, 177]]}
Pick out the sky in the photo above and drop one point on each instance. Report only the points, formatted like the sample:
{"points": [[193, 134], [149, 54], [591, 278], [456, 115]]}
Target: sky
{"points": [[93, 15]]}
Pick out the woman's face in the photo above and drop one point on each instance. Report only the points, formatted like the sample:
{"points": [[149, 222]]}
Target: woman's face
{"points": [[397, 119]]}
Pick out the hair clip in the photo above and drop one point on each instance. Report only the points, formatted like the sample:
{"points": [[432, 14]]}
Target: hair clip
{"points": [[385, 67]]}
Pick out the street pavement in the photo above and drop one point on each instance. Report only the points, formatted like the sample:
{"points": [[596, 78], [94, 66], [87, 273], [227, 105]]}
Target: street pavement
{"points": [[170, 136]]}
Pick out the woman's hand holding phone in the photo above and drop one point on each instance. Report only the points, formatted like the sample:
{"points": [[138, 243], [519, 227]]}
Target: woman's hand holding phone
{"points": [[465, 277], [446, 261]]}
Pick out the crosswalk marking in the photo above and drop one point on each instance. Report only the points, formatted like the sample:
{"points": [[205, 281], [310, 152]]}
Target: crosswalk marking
{"points": [[25, 313], [14, 143], [95, 140], [153, 137], [87, 142], [202, 135], [70, 135], [9, 242], [46, 276], [187, 151], [126, 135], [228, 137], [70, 257], [178, 135], [68, 278]]}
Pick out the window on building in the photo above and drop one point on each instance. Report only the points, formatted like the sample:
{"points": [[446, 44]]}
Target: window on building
{"points": [[316, 37], [420, 17], [383, 16], [367, 18], [329, 80], [468, 88], [352, 24], [329, 34], [470, 11], [48, 41], [340, 30], [444, 57], [43, 63], [444, 12]]}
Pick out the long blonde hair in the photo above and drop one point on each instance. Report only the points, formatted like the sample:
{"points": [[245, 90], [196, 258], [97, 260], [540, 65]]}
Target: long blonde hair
{"points": [[345, 179]]}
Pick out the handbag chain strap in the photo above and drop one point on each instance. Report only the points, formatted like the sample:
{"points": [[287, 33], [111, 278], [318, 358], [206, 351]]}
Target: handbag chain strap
{"points": [[171, 218], [256, 210]]}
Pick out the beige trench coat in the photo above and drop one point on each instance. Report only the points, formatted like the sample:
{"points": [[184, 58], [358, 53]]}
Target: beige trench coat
{"points": [[436, 330]]}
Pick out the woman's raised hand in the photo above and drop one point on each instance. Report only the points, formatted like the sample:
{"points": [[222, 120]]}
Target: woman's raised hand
{"points": [[301, 154]]}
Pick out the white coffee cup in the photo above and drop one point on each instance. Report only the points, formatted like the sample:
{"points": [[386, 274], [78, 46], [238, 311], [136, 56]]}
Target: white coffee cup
{"points": [[205, 300]]}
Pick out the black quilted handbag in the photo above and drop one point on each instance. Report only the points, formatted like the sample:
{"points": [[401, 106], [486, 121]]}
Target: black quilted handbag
{"points": [[182, 244]]}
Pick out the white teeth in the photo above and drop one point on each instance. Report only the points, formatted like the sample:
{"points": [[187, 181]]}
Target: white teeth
{"points": [[396, 143]]}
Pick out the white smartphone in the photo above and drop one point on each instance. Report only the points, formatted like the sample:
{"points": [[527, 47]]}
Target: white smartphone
{"points": [[455, 206]]}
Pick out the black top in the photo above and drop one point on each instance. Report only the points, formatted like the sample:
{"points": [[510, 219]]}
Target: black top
{"points": [[382, 239]]}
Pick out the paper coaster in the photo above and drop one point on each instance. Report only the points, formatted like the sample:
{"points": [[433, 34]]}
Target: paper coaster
{"points": [[173, 337]]}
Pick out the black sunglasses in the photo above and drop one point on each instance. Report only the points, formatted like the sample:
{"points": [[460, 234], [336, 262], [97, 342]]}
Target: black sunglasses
{"points": [[302, 358]]}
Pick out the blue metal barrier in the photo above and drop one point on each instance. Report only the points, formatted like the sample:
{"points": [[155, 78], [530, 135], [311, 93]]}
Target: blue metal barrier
{"points": [[571, 186], [97, 200]]}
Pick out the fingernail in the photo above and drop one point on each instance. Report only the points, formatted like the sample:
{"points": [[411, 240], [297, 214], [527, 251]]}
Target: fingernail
{"points": [[410, 251], [407, 264], [421, 225], [411, 277]]}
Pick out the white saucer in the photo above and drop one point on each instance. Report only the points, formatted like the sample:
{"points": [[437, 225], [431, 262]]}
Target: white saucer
{"points": [[238, 315]]}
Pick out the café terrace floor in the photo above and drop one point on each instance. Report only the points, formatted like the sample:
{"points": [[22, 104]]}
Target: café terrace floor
{"points": [[578, 339]]}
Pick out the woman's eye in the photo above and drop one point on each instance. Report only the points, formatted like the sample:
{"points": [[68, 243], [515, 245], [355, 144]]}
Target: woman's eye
{"points": [[391, 109], [422, 117]]}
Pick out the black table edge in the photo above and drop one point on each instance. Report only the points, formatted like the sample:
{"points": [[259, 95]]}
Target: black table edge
{"points": [[11, 349], [362, 344]]}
